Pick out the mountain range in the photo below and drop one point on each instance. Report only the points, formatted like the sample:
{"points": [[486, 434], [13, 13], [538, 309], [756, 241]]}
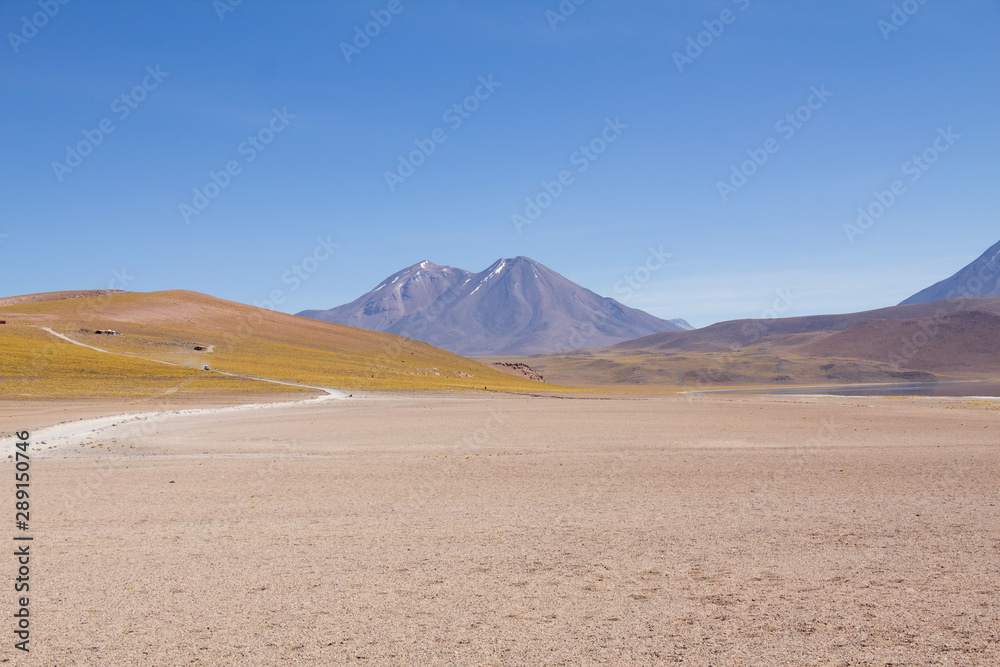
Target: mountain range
{"points": [[950, 330], [950, 339], [516, 307]]}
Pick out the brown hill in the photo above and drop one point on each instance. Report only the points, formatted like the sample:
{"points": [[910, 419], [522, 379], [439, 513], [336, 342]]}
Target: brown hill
{"points": [[196, 330], [56, 296], [953, 339], [739, 333], [963, 342]]}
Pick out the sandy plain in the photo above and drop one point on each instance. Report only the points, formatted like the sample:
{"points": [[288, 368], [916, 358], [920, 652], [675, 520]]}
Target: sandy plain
{"points": [[459, 529]]}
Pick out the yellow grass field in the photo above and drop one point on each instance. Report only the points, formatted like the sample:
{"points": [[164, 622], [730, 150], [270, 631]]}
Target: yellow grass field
{"points": [[168, 326], [35, 363]]}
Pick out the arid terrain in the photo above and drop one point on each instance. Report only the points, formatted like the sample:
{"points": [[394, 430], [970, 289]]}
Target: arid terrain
{"points": [[951, 340], [313, 497], [459, 529], [718, 384]]}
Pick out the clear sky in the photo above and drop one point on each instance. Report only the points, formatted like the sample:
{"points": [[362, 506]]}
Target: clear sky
{"points": [[309, 115]]}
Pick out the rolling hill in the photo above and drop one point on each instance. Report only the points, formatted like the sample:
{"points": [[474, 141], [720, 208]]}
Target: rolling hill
{"points": [[951, 339], [195, 330], [741, 333], [963, 342]]}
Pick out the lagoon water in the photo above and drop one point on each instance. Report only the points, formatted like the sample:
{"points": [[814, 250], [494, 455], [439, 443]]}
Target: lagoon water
{"points": [[927, 389], [958, 389]]}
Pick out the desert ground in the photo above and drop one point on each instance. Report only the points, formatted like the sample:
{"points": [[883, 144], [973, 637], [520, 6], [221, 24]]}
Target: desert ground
{"points": [[488, 529]]}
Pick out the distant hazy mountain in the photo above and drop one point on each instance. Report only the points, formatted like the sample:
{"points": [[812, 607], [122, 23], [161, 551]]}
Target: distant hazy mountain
{"points": [[979, 279], [516, 306]]}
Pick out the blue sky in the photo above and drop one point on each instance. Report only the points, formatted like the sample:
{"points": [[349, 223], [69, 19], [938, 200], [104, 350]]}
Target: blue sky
{"points": [[188, 88]]}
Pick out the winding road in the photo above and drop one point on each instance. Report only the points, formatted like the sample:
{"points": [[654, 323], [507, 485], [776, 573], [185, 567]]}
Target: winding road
{"points": [[61, 434], [332, 393]]}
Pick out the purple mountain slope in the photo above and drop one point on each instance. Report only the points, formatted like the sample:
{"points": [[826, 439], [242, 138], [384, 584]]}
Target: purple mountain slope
{"points": [[516, 306], [981, 278], [403, 293]]}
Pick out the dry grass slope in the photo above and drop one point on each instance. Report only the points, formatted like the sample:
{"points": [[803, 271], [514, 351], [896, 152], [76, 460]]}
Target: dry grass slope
{"points": [[956, 340], [236, 338], [35, 363]]}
